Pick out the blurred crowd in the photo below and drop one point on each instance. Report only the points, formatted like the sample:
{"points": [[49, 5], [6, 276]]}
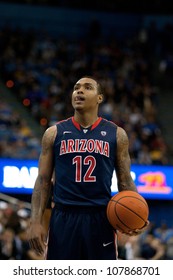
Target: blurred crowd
{"points": [[14, 221], [41, 70], [17, 139], [156, 243]]}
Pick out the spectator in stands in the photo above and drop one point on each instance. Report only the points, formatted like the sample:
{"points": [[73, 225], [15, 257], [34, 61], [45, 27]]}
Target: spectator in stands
{"points": [[152, 248]]}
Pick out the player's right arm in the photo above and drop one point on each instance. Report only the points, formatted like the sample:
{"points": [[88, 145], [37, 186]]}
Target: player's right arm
{"points": [[37, 234]]}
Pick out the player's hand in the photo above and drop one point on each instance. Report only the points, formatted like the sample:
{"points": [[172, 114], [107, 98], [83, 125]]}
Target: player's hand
{"points": [[37, 238], [137, 231]]}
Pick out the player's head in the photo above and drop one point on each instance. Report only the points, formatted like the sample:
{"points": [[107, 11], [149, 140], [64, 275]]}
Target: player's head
{"points": [[87, 94]]}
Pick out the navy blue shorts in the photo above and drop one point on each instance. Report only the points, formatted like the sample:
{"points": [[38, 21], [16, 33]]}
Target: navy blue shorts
{"points": [[81, 233]]}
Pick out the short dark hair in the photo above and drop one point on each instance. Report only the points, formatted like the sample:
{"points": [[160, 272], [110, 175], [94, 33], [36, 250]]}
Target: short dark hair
{"points": [[100, 88]]}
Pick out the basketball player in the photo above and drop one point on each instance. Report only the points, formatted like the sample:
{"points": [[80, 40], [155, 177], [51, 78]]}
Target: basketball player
{"points": [[83, 150]]}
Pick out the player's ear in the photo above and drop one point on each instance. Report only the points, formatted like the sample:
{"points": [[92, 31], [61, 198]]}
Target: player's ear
{"points": [[100, 98]]}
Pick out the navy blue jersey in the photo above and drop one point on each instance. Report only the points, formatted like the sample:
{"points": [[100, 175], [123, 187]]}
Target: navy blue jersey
{"points": [[84, 162]]}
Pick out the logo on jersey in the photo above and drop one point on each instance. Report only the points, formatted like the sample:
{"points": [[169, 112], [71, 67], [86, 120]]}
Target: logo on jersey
{"points": [[66, 132], [103, 133], [84, 145]]}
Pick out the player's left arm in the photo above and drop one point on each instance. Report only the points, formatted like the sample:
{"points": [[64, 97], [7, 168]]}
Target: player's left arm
{"points": [[123, 162], [122, 167]]}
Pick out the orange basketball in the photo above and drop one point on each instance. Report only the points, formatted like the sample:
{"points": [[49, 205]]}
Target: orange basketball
{"points": [[127, 210]]}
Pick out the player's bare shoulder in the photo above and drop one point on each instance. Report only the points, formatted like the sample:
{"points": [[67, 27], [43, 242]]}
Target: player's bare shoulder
{"points": [[122, 138], [123, 158], [49, 138]]}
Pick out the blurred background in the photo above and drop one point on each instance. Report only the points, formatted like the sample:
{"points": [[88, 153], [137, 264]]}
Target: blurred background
{"points": [[45, 47]]}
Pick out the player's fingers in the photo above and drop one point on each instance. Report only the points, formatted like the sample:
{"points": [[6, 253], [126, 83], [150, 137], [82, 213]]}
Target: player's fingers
{"points": [[36, 246], [44, 239], [134, 232], [147, 224], [131, 233]]}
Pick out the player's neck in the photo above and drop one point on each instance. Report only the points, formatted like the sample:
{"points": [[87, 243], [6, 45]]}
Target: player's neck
{"points": [[85, 120]]}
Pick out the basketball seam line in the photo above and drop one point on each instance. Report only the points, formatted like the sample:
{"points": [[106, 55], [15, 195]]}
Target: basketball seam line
{"points": [[119, 228], [127, 196], [128, 209]]}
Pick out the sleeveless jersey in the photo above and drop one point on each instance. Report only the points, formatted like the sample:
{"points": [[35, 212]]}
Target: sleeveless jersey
{"points": [[84, 163]]}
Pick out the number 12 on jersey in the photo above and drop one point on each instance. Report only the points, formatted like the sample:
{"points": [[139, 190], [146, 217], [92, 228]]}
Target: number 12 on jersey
{"points": [[79, 161]]}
